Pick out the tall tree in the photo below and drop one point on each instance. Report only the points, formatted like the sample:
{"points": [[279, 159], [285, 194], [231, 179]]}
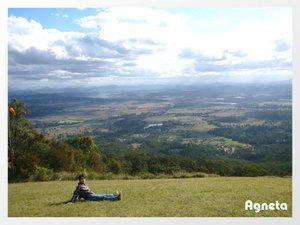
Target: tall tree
{"points": [[17, 125]]}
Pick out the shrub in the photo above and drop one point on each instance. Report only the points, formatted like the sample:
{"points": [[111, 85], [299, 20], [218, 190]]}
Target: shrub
{"points": [[41, 174]]}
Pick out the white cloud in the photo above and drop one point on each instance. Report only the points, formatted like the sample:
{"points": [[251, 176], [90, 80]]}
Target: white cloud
{"points": [[149, 45], [142, 23], [24, 34]]}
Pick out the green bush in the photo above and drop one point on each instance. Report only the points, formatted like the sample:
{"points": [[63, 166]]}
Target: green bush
{"points": [[41, 174]]}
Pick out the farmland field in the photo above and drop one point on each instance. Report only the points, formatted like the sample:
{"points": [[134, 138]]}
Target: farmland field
{"points": [[196, 197]]}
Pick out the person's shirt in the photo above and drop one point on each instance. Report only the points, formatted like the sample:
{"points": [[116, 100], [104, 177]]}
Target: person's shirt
{"points": [[81, 191]]}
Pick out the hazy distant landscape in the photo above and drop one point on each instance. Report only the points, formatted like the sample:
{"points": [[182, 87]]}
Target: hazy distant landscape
{"points": [[251, 122]]}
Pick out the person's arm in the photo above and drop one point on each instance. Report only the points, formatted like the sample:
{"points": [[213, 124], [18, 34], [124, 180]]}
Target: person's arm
{"points": [[75, 195]]}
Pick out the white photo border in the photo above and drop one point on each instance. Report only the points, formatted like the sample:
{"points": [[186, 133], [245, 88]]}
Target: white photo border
{"points": [[6, 4]]}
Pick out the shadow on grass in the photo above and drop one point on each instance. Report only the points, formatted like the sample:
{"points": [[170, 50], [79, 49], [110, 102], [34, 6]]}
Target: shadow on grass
{"points": [[64, 203]]}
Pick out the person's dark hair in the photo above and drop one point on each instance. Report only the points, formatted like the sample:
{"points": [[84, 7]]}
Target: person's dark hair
{"points": [[81, 176]]}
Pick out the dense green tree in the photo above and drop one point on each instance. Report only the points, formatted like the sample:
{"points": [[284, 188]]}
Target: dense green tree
{"points": [[83, 143], [163, 164], [114, 165], [21, 135], [136, 162], [61, 157], [95, 162]]}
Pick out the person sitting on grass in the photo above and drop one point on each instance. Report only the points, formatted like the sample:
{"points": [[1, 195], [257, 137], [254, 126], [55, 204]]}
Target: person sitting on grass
{"points": [[83, 191]]}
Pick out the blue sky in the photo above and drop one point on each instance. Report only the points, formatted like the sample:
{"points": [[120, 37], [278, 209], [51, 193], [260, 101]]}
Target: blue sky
{"points": [[58, 18], [96, 47]]}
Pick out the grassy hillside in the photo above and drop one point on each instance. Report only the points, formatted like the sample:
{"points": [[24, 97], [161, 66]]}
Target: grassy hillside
{"points": [[197, 197]]}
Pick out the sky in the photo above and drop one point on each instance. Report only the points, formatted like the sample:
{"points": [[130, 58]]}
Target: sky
{"points": [[62, 48]]}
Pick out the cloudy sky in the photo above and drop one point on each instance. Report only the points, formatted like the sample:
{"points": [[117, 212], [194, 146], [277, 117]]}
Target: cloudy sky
{"points": [[123, 46]]}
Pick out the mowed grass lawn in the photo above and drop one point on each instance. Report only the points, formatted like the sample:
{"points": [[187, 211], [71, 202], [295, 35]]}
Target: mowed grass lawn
{"points": [[195, 197]]}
